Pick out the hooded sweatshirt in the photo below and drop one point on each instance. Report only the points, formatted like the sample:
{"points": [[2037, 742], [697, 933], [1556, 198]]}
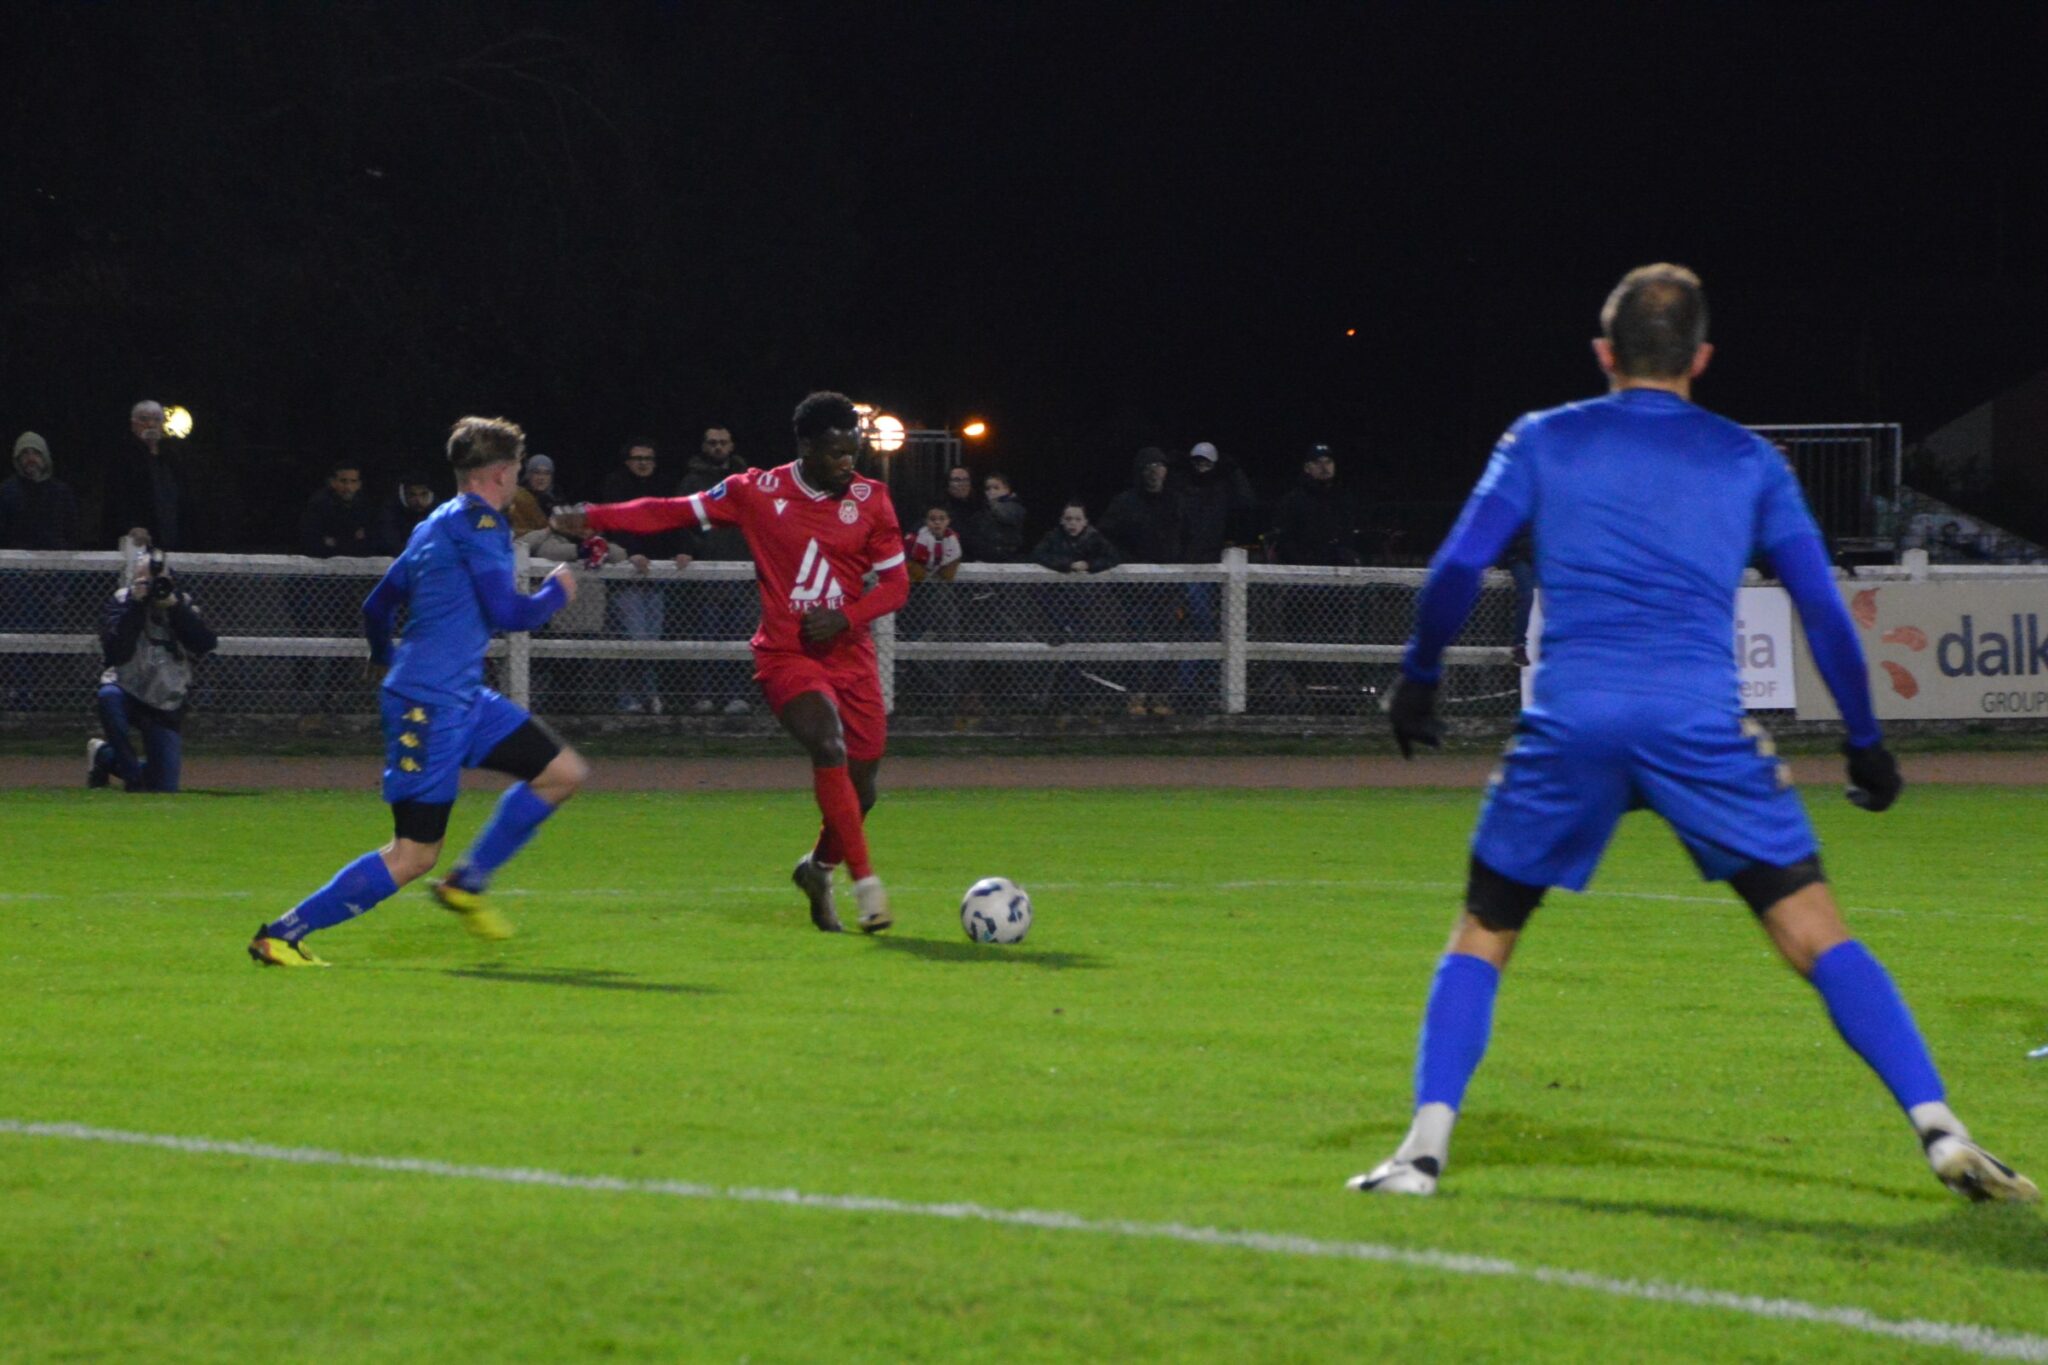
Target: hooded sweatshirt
{"points": [[1145, 526], [38, 511]]}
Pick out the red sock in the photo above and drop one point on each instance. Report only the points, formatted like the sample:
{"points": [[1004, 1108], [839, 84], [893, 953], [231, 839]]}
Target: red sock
{"points": [[840, 805]]}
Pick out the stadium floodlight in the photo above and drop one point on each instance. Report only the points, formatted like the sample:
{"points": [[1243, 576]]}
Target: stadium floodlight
{"points": [[885, 433], [975, 430], [177, 422]]}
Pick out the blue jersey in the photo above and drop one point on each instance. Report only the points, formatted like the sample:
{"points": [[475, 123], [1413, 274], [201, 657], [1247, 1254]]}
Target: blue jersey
{"points": [[1645, 509], [455, 576]]}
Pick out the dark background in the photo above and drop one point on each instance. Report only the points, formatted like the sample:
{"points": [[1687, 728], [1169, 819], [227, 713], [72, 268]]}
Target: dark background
{"points": [[330, 229]]}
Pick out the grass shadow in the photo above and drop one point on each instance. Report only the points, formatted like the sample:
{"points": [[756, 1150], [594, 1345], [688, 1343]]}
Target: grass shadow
{"points": [[581, 978], [946, 950], [2002, 1236]]}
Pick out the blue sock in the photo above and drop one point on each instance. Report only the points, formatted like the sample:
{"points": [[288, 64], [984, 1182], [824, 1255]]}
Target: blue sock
{"points": [[354, 889], [518, 815], [1872, 1018], [1455, 1027]]}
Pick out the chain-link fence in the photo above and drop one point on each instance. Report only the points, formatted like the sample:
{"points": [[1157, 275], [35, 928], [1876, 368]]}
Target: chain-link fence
{"points": [[1005, 643]]}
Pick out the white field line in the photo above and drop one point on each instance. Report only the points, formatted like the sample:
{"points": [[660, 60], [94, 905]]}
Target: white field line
{"points": [[755, 890], [1978, 1341]]}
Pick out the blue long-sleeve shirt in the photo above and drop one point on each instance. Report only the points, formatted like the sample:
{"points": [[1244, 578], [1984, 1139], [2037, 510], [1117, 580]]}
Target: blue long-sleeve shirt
{"points": [[1645, 510], [455, 577]]}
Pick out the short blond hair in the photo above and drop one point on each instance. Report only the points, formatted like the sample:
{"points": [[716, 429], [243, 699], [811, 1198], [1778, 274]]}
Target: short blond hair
{"points": [[479, 442]]}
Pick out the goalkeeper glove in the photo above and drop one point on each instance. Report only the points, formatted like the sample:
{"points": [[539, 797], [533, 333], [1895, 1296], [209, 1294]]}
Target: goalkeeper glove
{"points": [[1411, 708], [1874, 781]]}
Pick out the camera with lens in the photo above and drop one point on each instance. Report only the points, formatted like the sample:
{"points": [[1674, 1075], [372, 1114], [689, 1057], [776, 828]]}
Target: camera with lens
{"points": [[162, 587]]}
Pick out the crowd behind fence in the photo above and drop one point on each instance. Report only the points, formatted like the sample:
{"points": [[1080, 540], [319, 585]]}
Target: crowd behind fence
{"points": [[998, 641]]}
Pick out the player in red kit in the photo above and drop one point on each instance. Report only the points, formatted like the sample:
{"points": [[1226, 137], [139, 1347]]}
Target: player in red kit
{"points": [[816, 529]]}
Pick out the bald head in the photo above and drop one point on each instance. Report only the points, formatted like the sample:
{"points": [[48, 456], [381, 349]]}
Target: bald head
{"points": [[1656, 321]]}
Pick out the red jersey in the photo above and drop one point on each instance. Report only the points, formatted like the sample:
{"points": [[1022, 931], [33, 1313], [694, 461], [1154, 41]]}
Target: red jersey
{"points": [[811, 549]]}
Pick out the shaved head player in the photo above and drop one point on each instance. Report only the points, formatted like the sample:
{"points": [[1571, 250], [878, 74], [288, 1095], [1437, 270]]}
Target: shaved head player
{"points": [[816, 530]]}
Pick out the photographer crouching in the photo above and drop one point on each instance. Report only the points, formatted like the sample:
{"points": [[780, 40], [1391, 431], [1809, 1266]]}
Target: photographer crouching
{"points": [[152, 636]]}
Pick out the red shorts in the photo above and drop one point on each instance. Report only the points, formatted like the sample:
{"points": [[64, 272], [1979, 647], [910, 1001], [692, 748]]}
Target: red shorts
{"points": [[854, 688]]}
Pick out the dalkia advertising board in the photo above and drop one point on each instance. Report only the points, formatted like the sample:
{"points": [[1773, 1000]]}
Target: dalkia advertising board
{"points": [[1965, 649]]}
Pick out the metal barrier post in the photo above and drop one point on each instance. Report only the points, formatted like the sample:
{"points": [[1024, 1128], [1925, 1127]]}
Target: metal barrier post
{"points": [[884, 632], [519, 645], [1235, 630]]}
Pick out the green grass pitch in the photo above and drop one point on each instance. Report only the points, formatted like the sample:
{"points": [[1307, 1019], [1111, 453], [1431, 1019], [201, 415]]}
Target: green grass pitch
{"points": [[1211, 1026]]}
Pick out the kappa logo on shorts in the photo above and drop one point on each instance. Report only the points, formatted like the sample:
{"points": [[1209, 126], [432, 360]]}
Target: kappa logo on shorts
{"points": [[768, 483], [848, 513], [862, 491], [409, 740], [410, 765], [418, 715]]}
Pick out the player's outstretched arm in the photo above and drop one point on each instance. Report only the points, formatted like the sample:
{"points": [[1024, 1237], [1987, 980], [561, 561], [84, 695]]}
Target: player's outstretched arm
{"points": [[380, 611], [1801, 563], [506, 608]]}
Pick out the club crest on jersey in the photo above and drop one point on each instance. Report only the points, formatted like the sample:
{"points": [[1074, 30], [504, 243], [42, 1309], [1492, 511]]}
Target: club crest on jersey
{"points": [[848, 513], [862, 490], [768, 483], [815, 585]]}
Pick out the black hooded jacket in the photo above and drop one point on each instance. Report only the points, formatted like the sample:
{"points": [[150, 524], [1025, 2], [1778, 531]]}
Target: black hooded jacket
{"points": [[1145, 526]]}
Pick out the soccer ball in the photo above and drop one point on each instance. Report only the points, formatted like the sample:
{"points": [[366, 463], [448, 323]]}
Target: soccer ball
{"points": [[996, 910]]}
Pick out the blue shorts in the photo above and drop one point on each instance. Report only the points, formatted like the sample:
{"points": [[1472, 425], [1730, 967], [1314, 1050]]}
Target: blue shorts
{"points": [[428, 744], [1572, 772]]}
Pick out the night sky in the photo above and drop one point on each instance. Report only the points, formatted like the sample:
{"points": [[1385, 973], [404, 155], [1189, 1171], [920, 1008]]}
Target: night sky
{"points": [[331, 229]]}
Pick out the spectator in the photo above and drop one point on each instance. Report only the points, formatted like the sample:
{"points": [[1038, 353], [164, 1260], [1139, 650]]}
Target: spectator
{"points": [[338, 519], [1144, 519], [37, 511], [1144, 522], [995, 533], [961, 504], [1215, 503], [534, 501], [636, 607], [934, 552], [1317, 524], [1074, 546], [398, 517], [141, 499], [721, 609], [152, 635], [1318, 518]]}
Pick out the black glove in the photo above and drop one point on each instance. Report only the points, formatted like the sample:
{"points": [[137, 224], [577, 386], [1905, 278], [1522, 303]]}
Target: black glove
{"points": [[1874, 781], [1411, 708]]}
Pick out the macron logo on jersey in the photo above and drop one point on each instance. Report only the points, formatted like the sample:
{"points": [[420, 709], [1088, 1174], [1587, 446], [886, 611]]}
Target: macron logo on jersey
{"points": [[815, 585]]}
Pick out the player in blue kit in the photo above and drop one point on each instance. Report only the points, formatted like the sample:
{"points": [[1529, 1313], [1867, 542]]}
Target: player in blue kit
{"points": [[1645, 511], [455, 578]]}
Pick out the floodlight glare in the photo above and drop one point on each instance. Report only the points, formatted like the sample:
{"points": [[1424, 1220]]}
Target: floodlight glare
{"points": [[885, 433], [975, 430], [177, 422]]}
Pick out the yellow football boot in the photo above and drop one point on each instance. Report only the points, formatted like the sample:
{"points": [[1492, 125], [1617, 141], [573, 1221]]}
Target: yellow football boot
{"points": [[266, 951], [478, 915]]}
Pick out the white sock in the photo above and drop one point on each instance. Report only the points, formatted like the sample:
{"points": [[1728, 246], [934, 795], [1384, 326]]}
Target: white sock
{"points": [[1429, 1135], [1935, 1117]]}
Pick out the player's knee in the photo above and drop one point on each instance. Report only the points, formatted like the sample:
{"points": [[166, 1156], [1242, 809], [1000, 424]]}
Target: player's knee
{"points": [[1763, 885], [1500, 903], [828, 751], [565, 776], [408, 861]]}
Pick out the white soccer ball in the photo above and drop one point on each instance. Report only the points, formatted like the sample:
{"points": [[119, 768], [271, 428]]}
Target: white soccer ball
{"points": [[996, 910]]}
